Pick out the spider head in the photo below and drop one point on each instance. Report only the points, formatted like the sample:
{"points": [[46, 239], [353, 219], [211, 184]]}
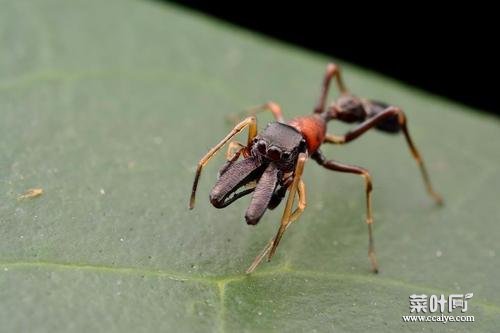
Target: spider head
{"points": [[279, 143]]}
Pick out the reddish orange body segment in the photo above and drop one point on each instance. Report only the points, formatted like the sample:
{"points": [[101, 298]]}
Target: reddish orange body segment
{"points": [[313, 128]]}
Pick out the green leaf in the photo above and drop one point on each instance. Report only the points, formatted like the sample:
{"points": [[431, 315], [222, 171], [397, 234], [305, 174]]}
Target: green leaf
{"points": [[107, 107]]}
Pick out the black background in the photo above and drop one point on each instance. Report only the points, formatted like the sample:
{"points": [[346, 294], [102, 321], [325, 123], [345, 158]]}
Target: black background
{"points": [[449, 51]]}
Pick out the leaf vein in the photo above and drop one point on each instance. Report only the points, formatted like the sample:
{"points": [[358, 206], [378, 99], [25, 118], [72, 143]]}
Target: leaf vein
{"points": [[222, 281]]}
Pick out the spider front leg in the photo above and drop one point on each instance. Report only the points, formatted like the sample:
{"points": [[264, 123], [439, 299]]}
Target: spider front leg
{"points": [[250, 122], [396, 119], [288, 217], [336, 166], [233, 153], [235, 148], [272, 107]]}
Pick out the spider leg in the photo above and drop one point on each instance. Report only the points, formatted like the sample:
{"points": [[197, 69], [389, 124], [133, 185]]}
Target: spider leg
{"points": [[288, 217], [336, 166], [273, 107], [249, 122], [380, 118], [332, 71]]}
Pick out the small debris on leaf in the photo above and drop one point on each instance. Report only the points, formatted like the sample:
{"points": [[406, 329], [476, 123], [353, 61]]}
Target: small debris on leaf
{"points": [[31, 193]]}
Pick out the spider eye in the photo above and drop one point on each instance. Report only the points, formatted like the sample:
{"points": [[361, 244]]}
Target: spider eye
{"points": [[274, 153], [262, 147], [285, 155], [303, 145]]}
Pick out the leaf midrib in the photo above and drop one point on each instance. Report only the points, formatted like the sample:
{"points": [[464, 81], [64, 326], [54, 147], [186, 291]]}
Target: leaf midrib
{"points": [[221, 281]]}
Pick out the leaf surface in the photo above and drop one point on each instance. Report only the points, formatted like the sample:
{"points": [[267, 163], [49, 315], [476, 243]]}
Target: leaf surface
{"points": [[107, 107]]}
